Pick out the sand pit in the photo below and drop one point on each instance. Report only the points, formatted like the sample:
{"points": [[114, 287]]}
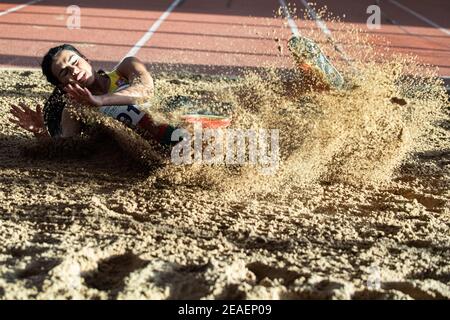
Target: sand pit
{"points": [[357, 209], [83, 219]]}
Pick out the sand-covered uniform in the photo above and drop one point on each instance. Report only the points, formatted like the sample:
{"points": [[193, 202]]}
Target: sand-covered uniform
{"points": [[132, 115]]}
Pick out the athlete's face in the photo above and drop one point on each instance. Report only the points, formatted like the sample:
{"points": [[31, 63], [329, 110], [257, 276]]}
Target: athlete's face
{"points": [[70, 68]]}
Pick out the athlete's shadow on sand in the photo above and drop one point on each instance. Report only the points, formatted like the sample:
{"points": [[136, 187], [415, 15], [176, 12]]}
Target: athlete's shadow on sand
{"points": [[91, 157]]}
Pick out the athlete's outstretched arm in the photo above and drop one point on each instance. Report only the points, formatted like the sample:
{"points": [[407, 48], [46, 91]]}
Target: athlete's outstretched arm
{"points": [[29, 119], [33, 121]]}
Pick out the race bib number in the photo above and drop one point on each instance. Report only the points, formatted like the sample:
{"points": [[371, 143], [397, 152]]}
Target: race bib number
{"points": [[130, 115]]}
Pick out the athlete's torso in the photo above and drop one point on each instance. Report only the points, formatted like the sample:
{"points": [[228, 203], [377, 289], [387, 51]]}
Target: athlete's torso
{"points": [[55, 104], [117, 82]]}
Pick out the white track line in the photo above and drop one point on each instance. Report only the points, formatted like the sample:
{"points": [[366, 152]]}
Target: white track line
{"points": [[421, 17], [291, 22], [152, 30], [325, 30], [401, 27], [3, 13], [319, 22]]}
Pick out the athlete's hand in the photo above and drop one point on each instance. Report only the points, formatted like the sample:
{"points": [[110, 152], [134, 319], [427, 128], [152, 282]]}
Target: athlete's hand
{"points": [[26, 118], [83, 95]]}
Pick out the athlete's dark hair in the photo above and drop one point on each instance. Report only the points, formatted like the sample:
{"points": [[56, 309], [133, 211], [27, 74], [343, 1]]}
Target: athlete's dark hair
{"points": [[46, 64]]}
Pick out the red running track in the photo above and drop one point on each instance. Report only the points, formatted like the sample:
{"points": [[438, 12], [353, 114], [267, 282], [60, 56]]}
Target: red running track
{"points": [[204, 35]]}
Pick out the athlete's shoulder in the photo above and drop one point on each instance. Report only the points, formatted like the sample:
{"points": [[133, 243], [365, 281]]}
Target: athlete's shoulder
{"points": [[127, 61], [129, 66]]}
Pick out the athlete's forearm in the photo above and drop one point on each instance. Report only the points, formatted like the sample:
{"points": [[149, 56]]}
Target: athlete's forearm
{"points": [[111, 99], [135, 94]]}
